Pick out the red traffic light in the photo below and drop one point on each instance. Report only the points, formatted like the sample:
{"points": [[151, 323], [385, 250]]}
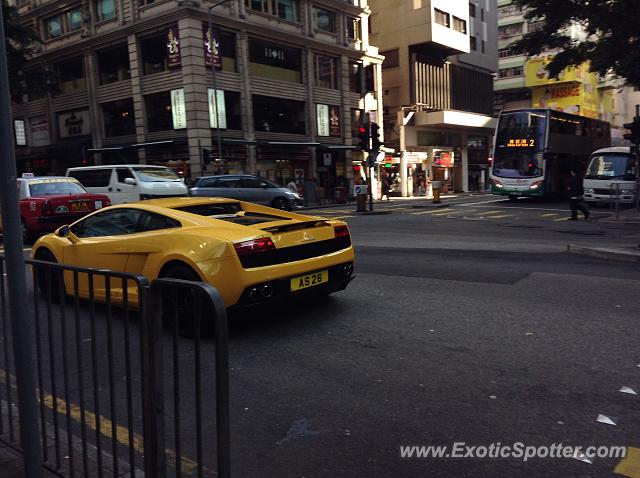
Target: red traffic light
{"points": [[356, 167], [362, 129]]}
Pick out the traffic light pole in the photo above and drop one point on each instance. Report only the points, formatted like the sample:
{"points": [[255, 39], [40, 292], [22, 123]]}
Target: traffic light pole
{"points": [[21, 322]]}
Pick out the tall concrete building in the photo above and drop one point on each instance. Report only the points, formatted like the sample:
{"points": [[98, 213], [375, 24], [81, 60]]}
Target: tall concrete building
{"points": [[135, 84], [440, 58]]}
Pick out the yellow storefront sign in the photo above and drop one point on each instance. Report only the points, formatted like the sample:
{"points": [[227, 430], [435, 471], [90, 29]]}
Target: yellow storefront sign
{"points": [[536, 74]]}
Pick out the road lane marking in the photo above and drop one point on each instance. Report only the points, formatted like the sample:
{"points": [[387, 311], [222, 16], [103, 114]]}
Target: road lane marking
{"points": [[562, 219], [500, 216], [495, 211], [59, 405], [551, 214], [427, 212], [341, 217]]}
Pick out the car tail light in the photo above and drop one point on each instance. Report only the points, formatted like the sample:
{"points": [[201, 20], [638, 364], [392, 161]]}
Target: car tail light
{"points": [[46, 208], [254, 246], [341, 231]]}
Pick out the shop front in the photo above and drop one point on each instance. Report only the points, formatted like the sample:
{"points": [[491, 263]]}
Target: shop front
{"points": [[284, 164]]}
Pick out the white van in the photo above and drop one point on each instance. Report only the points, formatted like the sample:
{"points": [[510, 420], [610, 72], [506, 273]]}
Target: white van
{"points": [[610, 169], [130, 182]]}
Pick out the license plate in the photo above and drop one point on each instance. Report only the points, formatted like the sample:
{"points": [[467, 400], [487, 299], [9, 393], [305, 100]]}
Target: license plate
{"points": [[79, 206], [309, 280]]}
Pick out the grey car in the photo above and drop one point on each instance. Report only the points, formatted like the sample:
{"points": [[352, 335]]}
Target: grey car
{"points": [[246, 187]]}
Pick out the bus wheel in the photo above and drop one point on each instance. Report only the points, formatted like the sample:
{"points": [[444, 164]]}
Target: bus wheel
{"points": [[513, 198]]}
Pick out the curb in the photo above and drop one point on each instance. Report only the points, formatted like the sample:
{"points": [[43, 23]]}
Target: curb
{"points": [[604, 253], [374, 213]]}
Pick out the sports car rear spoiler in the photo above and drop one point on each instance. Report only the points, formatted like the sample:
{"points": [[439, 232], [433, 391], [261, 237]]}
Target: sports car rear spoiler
{"points": [[296, 226]]}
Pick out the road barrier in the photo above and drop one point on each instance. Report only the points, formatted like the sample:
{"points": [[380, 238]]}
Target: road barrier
{"points": [[124, 373]]}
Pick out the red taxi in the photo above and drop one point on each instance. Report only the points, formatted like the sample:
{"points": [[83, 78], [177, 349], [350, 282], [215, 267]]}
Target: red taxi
{"points": [[48, 202]]}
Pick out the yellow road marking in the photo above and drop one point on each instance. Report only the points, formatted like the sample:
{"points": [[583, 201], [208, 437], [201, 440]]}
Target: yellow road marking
{"points": [[551, 214], [500, 216], [122, 433], [497, 211], [630, 464], [427, 212], [341, 217], [561, 219]]}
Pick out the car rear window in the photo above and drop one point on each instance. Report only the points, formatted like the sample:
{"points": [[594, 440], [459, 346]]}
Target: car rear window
{"points": [[211, 210], [231, 212], [92, 178], [50, 188]]}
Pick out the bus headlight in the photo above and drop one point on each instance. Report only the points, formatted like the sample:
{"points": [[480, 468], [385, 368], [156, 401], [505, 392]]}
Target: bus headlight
{"points": [[536, 185], [497, 183], [589, 191]]}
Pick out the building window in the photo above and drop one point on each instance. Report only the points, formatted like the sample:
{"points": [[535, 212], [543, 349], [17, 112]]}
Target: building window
{"points": [[510, 30], [70, 75], [391, 59], [118, 118], [442, 18], [154, 54], [353, 28], [158, 109], [355, 77], [106, 10], [473, 42], [510, 72], [271, 60], [482, 14], [459, 25], [62, 23], [509, 10], [228, 51], [324, 20], [535, 26], [326, 72], [113, 64], [484, 46], [284, 9], [472, 10], [277, 115]]}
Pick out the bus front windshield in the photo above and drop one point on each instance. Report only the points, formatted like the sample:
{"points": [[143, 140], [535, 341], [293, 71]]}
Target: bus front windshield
{"points": [[609, 166], [519, 138]]}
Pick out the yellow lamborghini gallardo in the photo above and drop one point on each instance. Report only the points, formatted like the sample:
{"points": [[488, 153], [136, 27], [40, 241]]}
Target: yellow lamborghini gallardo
{"points": [[252, 254]]}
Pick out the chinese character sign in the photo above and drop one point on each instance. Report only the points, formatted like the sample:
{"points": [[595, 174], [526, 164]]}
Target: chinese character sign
{"points": [[211, 47], [173, 47]]}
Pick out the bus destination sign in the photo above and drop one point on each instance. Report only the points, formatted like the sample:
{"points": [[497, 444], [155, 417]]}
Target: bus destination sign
{"points": [[521, 143]]}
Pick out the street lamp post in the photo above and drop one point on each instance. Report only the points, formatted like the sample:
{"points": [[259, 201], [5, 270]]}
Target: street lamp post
{"points": [[215, 80]]}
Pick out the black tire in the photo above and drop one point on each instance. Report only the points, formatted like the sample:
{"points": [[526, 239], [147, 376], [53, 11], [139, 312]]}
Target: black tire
{"points": [[281, 203], [185, 303], [49, 281]]}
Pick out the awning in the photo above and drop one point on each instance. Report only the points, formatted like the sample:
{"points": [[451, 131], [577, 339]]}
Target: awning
{"points": [[452, 118]]}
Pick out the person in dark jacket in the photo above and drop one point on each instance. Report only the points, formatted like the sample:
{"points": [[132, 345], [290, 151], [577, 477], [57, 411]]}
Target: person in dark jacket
{"points": [[576, 192]]}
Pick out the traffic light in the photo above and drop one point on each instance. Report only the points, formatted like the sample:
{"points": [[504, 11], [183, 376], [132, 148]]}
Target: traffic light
{"points": [[634, 127], [375, 137], [363, 137]]}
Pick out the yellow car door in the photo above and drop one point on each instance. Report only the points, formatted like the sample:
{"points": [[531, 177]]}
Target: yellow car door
{"points": [[100, 242]]}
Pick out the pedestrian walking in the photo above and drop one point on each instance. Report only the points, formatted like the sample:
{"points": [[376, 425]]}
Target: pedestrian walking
{"points": [[576, 193], [386, 185]]}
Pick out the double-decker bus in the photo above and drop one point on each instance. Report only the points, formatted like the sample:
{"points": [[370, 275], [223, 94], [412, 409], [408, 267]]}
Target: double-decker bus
{"points": [[535, 148]]}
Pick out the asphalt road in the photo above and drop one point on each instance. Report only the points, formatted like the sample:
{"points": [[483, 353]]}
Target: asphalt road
{"points": [[461, 326]]}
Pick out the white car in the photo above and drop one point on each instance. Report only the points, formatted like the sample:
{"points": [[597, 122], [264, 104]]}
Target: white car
{"points": [[124, 183]]}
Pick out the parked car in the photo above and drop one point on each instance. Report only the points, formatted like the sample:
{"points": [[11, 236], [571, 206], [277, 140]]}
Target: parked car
{"points": [[252, 254], [250, 188], [48, 202], [130, 182]]}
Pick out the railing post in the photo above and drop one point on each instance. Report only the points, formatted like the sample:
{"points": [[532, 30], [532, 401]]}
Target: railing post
{"points": [[155, 464]]}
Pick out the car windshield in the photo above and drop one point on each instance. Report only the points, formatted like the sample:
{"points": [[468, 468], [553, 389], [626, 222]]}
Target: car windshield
{"points": [[513, 164], [611, 166], [53, 187], [149, 175]]}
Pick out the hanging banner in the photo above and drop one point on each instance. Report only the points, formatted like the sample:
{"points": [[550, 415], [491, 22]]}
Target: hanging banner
{"points": [[173, 47], [39, 126], [222, 111], [211, 47], [178, 109], [20, 133], [334, 121], [322, 119]]}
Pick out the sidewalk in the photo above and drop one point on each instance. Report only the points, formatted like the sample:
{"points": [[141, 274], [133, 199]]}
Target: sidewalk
{"points": [[625, 216], [11, 465], [394, 200]]}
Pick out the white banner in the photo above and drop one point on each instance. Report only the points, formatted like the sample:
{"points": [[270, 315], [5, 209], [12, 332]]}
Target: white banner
{"points": [[222, 110], [178, 109], [322, 119]]}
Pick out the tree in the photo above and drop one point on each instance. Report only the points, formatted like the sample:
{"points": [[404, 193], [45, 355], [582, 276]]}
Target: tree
{"points": [[22, 43], [611, 40]]}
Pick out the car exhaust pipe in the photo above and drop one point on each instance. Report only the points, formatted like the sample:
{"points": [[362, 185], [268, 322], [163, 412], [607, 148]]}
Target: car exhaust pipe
{"points": [[254, 294], [267, 291]]}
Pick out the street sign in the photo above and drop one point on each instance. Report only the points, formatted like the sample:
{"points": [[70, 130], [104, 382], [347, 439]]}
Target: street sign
{"points": [[360, 189]]}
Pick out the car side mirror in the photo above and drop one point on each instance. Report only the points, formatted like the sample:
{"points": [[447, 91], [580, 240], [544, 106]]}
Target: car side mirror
{"points": [[65, 231], [130, 181]]}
